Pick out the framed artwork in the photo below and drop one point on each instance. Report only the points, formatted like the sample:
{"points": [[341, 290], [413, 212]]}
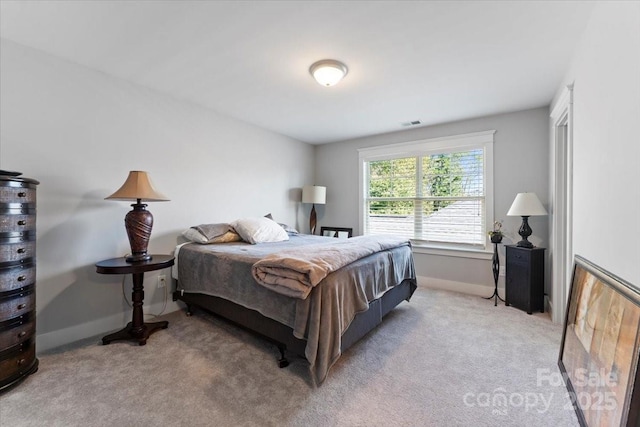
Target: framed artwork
{"points": [[600, 347], [339, 232]]}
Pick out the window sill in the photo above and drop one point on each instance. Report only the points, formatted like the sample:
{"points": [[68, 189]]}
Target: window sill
{"points": [[452, 252]]}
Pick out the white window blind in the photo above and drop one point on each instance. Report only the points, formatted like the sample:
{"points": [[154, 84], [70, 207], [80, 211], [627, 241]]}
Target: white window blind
{"points": [[435, 191]]}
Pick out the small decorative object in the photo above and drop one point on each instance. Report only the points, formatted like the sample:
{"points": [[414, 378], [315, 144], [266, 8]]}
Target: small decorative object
{"points": [[314, 194], [138, 221], [496, 237], [526, 205], [601, 346], [496, 234]]}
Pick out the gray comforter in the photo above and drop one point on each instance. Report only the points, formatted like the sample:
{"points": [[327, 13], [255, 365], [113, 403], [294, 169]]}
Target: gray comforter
{"points": [[224, 270]]}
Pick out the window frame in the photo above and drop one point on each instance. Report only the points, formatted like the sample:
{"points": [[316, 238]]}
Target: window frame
{"points": [[477, 140]]}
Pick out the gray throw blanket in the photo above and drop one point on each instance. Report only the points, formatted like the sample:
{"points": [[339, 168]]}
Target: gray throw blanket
{"points": [[295, 272]]}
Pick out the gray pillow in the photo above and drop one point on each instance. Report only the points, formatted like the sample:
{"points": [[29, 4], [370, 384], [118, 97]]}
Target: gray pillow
{"points": [[211, 233]]}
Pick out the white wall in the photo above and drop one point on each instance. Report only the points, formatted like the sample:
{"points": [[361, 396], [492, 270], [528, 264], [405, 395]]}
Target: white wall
{"points": [[606, 142], [79, 132], [521, 163]]}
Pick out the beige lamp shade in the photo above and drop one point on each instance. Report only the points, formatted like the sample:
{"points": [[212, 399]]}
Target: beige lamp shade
{"points": [[526, 204], [314, 194], [138, 187]]}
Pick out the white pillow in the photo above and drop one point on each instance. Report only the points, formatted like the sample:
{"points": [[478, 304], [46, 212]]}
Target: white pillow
{"points": [[259, 230]]}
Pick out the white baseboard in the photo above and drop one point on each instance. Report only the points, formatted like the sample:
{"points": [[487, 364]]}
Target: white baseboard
{"points": [[548, 306], [103, 326], [464, 288]]}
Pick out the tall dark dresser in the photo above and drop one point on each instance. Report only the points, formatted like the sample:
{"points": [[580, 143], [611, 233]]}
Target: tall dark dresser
{"points": [[17, 279]]}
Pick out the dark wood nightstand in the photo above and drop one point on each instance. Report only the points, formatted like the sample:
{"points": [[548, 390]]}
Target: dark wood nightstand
{"points": [[136, 330], [524, 281]]}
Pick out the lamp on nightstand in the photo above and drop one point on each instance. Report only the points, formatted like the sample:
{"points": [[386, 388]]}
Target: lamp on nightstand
{"points": [[138, 221], [526, 205], [314, 194]]}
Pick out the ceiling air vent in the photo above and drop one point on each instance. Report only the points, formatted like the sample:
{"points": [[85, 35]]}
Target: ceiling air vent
{"points": [[411, 123]]}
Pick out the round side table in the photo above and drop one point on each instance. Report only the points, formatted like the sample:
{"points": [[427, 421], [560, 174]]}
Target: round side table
{"points": [[136, 330]]}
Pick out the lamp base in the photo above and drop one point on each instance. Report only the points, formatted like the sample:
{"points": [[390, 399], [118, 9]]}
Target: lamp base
{"points": [[524, 232], [138, 223], [313, 219], [139, 258], [524, 244]]}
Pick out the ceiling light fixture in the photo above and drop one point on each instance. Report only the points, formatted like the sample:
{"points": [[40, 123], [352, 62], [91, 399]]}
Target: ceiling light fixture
{"points": [[328, 72]]}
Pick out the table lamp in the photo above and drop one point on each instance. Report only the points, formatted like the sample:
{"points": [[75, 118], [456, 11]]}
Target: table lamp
{"points": [[314, 194], [526, 205], [138, 221]]}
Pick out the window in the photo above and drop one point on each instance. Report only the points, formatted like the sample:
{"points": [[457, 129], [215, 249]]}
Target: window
{"points": [[438, 192]]}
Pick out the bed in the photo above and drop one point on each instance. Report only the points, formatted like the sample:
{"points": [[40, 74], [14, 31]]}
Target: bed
{"points": [[339, 310]]}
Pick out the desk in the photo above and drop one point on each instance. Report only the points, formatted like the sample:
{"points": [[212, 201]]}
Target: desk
{"points": [[136, 330]]}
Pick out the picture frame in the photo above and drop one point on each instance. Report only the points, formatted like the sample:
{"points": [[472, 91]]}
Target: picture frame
{"points": [[338, 232], [600, 347]]}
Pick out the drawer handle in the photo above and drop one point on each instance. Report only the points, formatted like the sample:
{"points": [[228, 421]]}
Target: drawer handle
{"points": [[22, 334], [22, 194], [21, 362], [21, 250], [21, 306], [22, 222], [22, 278]]}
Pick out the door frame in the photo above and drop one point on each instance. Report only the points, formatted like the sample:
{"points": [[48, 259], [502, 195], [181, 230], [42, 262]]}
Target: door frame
{"points": [[561, 224]]}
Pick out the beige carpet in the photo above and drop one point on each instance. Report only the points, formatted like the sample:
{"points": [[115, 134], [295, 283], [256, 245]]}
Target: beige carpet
{"points": [[443, 359]]}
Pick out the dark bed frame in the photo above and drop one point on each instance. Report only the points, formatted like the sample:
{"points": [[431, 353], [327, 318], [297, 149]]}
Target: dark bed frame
{"points": [[282, 335]]}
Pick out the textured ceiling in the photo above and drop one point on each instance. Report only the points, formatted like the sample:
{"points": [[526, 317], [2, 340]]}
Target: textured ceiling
{"points": [[418, 60]]}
